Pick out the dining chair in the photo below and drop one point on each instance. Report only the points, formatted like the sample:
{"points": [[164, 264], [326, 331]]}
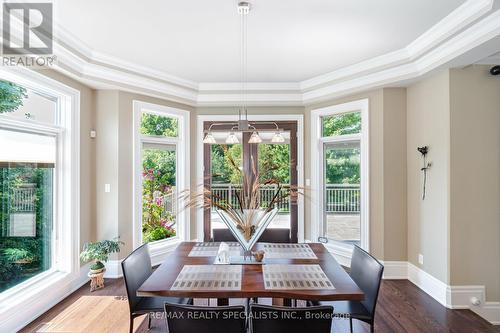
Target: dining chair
{"points": [[272, 235], [277, 319], [136, 269], [204, 319], [367, 272]]}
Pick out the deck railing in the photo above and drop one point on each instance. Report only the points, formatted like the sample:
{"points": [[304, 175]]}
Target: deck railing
{"points": [[342, 198], [23, 199], [339, 198]]}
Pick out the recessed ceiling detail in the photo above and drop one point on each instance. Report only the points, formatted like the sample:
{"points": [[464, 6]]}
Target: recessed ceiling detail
{"points": [[296, 57]]}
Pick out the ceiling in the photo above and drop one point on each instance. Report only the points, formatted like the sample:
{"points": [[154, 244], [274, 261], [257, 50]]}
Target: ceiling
{"points": [[290, 41]]}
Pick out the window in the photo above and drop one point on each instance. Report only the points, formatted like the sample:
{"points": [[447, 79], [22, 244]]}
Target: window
{"points": [[39, 204], [161, 175], [27, 163], [340, 156]]}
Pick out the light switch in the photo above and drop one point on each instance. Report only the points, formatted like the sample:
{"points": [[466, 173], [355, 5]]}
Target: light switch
{"points": [[107, 188]]}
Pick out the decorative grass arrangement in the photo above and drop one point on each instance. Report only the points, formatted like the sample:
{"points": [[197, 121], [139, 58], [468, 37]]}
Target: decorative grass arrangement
{"points": [[248, 210]]}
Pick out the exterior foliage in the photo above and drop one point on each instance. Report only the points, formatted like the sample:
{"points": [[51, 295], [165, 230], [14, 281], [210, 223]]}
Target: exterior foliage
{"points": [[11, 96], [23, 257], [152, 124], [158, 180]]}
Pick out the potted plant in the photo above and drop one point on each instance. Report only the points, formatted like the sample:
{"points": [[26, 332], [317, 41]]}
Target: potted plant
{"points": [[99, 251]]}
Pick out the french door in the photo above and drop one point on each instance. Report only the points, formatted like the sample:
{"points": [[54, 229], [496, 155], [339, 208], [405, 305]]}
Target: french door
{"points": [[264, 160]]}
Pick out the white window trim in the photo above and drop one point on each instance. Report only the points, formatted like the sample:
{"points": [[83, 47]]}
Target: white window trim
{"points": [[17, 303], [300, 161], [182, 142], [317, 182]]}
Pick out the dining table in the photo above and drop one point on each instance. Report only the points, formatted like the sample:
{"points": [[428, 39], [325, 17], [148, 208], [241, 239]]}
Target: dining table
{"points": [[162, 282]]}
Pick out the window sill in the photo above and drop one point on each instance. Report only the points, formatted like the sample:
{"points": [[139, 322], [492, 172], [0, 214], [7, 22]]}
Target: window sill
{"points": [[341, 252], [29, 290], [159, 250]]}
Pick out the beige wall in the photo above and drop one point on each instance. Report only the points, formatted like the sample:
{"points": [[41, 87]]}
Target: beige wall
{"points": [[395, 225], [107, 206], [475, 179], [87, 155], [428, 124]]}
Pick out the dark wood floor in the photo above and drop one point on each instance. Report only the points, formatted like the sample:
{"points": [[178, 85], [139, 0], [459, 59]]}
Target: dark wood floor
{"points": [[402, 307]]}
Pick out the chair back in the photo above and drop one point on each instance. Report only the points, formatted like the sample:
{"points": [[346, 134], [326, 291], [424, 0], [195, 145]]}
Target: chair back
{"points": [[276, 319], [272, 235], [136, 269], [367, 272], [204, 319]]}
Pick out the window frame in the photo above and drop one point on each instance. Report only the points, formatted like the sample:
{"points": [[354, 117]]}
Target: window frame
{"points": [[66, 225], [342, 250], [181, 142]]}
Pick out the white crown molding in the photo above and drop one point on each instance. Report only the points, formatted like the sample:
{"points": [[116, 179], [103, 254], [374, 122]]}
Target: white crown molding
{"points": [[462, 30]]}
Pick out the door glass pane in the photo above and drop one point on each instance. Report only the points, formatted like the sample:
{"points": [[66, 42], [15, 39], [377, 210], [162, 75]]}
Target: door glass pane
{"points": [[156, 125], [19, 103], [342, 124], [159, 208], [27, 164], [226, 180], [341, 193], [274, 164]]}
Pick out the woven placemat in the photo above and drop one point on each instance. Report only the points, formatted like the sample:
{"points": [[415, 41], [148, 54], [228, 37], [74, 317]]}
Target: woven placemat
{"points": [[288, 251], [309, 277], [208, 277], [209, 249]]}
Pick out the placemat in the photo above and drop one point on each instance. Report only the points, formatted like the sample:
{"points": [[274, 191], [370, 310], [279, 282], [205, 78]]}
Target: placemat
{"points": [[209, 249], [288, 251], [208, 277], [295, 277]]}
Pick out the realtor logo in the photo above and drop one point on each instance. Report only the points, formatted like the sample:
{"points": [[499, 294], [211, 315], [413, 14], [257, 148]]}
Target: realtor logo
{"points": [[27, 28], [27, 38]]}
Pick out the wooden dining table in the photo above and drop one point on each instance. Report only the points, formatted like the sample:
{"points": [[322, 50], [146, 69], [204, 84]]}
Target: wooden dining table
{"points": [[252, 280]]}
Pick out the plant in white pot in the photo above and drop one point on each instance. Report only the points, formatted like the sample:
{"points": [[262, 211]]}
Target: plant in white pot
{"points": [[99, 252]]}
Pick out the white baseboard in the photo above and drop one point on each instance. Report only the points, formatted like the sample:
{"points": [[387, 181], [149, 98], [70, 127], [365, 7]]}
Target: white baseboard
{"points": [[395, 270], [452, 297]]}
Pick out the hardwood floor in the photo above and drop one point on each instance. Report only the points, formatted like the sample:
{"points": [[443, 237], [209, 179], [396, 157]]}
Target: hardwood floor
{"points": [[402, 307]]}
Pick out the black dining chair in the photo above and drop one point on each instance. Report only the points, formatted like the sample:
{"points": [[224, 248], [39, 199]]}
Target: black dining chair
{"points": [[367, 272], [277, 319], [204, 319], [271, 235], [136, 269]]}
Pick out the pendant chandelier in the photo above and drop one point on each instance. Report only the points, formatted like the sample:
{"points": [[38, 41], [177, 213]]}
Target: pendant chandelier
{"points": [[243, 125]]}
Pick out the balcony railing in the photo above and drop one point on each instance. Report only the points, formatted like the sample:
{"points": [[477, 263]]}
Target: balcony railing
{"points": [[339, 198]]}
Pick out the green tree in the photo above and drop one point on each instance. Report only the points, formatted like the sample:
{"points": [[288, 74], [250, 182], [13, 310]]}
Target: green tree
{"points": [[342, 166], [274, 162], [152, 124], [346, 123], [11, 96]]}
